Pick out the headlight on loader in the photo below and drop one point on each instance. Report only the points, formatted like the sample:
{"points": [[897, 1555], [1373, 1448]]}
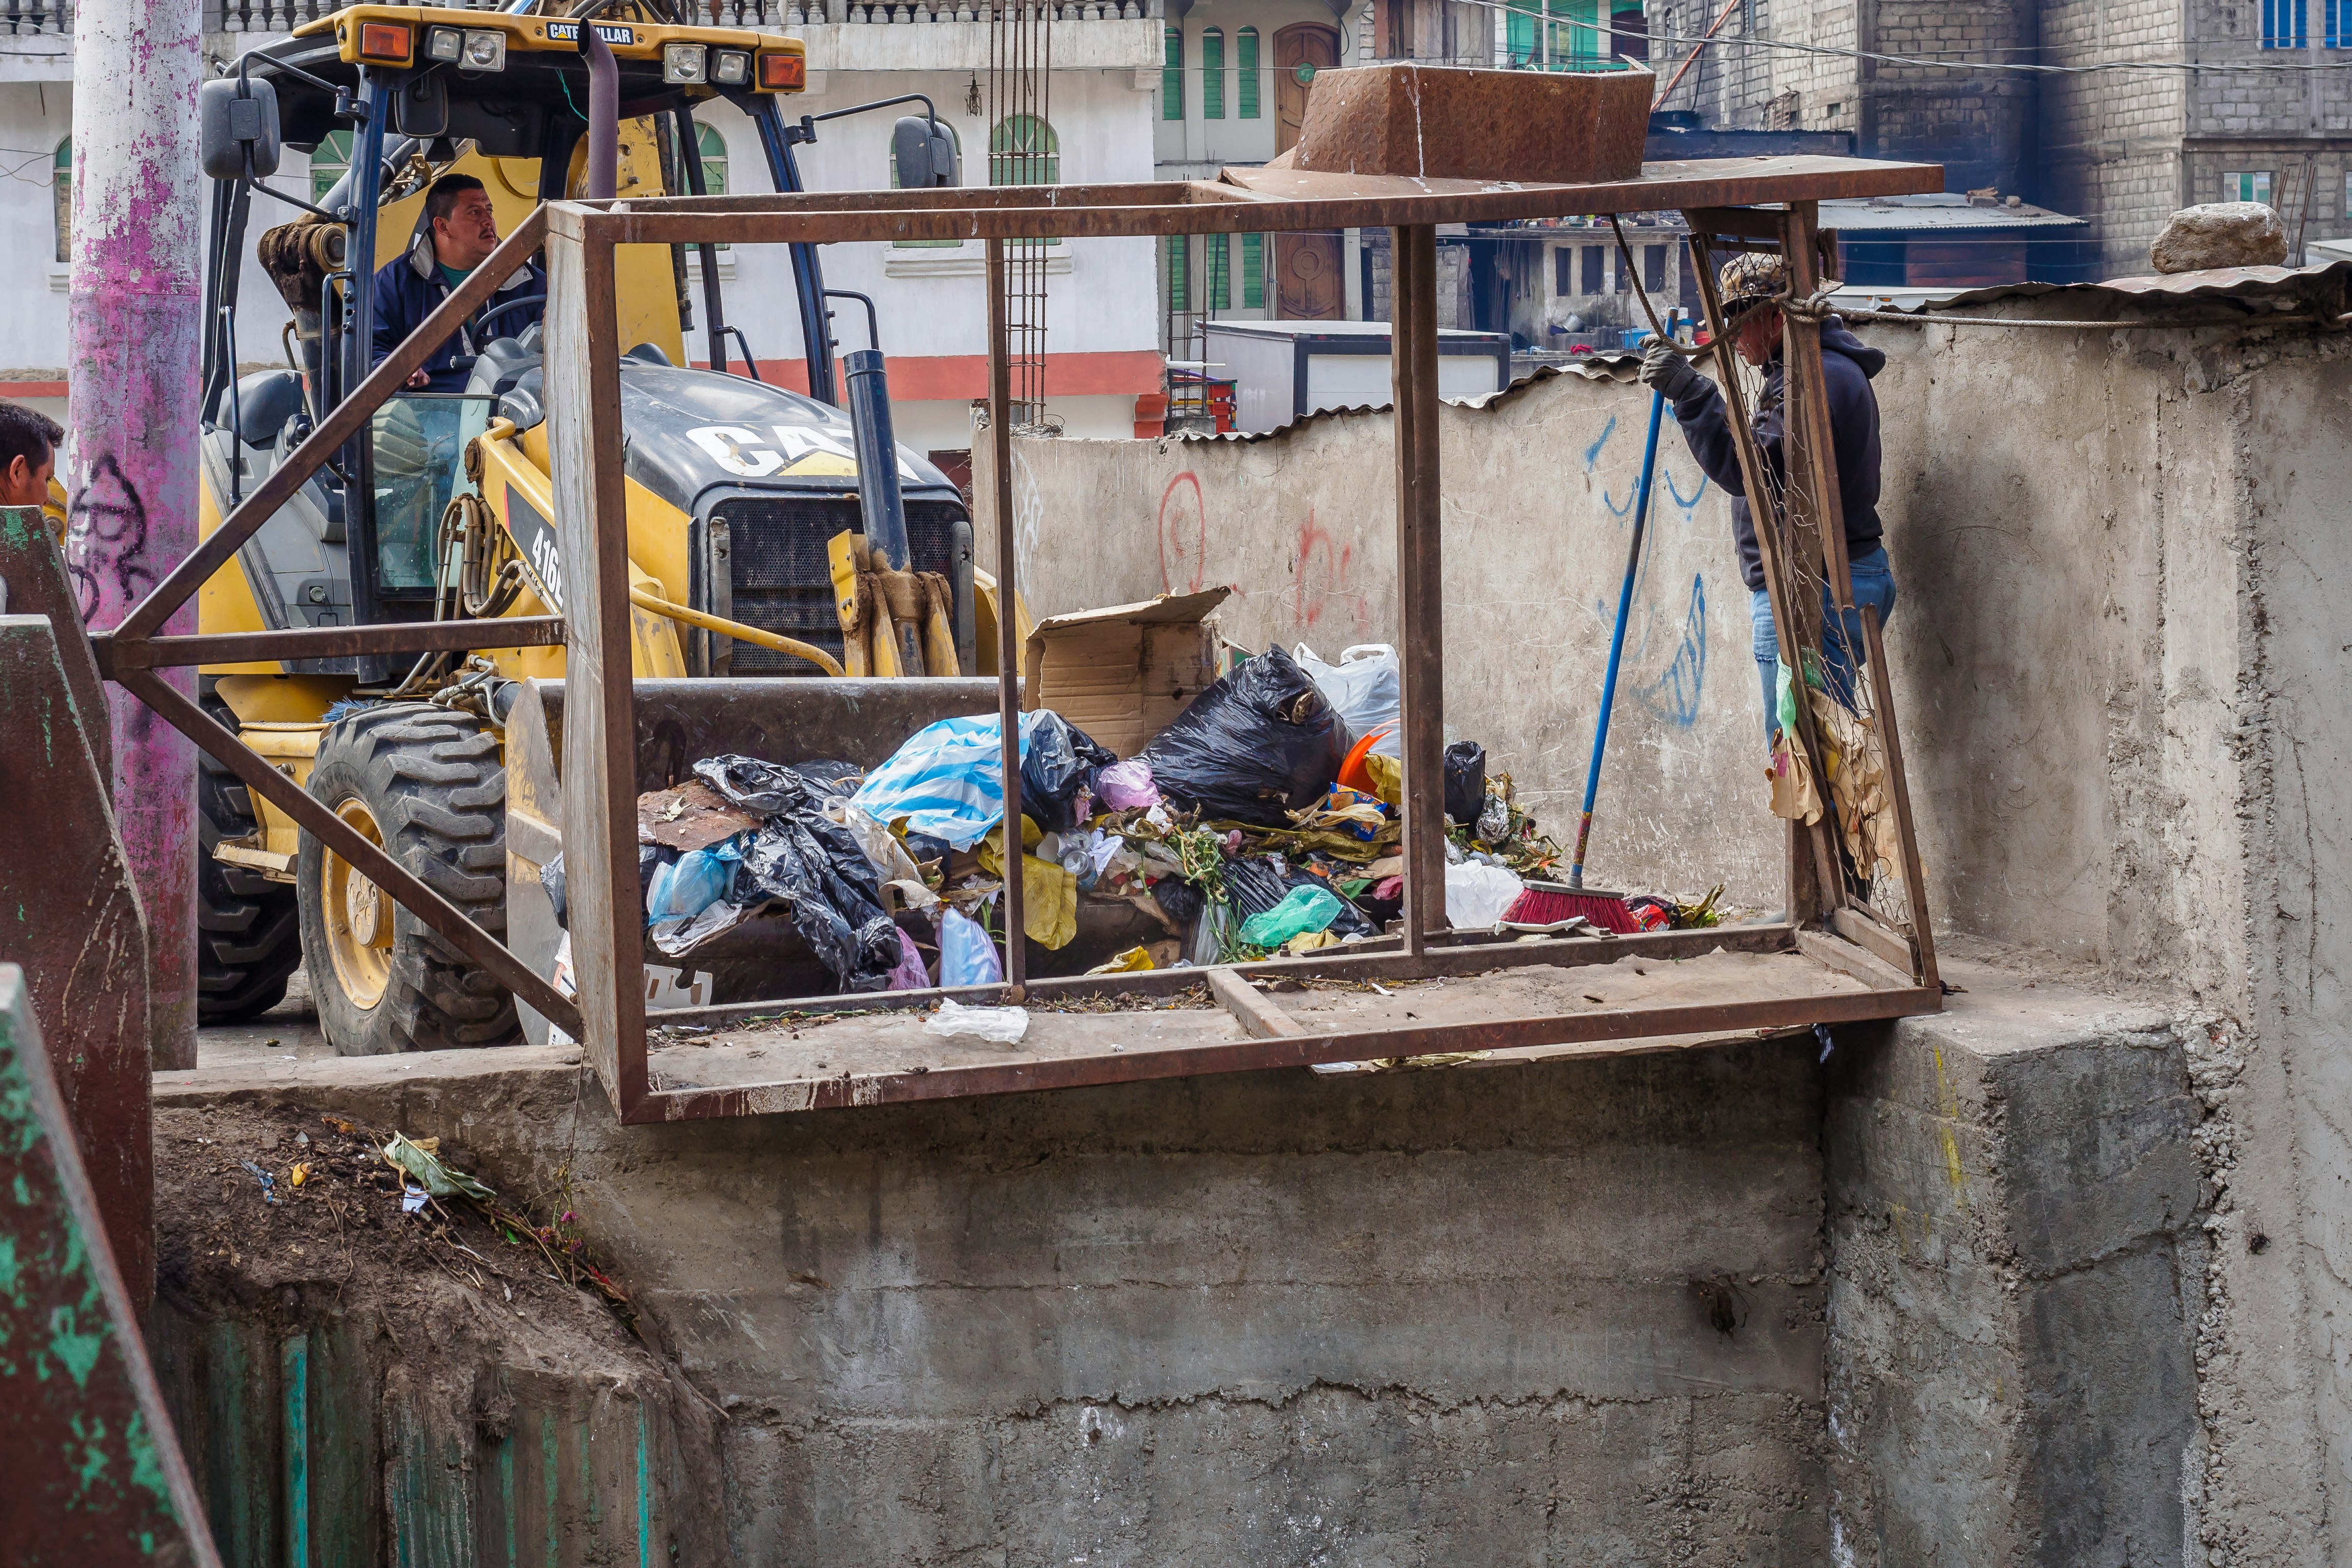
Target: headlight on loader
{"points": [[687, 64], [731, 67]]}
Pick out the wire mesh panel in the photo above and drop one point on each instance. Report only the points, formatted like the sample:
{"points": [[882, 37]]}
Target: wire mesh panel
{"points": [[1024, 149]]}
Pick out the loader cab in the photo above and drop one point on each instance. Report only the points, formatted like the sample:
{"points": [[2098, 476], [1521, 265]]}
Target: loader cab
{"points": [[406, 95]]}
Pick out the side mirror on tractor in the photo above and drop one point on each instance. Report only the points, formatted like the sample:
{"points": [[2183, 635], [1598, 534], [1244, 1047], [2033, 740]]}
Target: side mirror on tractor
{"points": [[236, 124], [925, 153]]}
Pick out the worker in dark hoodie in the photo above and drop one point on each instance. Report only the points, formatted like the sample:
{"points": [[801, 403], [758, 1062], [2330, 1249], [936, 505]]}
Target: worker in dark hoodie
{"points": [[1753, 279]]}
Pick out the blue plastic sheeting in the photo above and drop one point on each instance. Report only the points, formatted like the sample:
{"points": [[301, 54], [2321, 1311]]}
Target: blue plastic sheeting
{"points": [[946, 781]]}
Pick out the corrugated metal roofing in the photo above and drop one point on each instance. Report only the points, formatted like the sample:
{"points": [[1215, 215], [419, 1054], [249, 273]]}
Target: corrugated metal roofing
{"points": [[2220, 283], [1937, 212]]}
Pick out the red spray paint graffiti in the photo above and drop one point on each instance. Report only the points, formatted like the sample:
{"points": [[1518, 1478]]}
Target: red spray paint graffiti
{"points": [[1183, 538], [1322, 573]]}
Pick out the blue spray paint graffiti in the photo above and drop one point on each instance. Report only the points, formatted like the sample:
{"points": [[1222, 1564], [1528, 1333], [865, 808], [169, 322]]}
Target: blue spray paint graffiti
{"points": [[1674, 696]]}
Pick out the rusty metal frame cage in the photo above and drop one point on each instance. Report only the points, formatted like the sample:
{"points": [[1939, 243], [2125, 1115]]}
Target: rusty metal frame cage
{"points": [[1892, 957]]}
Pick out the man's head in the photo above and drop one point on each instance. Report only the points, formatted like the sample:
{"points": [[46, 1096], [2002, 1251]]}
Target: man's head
{"points": [[465, 229], [1750, 279], [28, 450]]}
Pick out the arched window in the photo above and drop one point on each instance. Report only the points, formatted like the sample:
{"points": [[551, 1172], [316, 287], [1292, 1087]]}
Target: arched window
{"points": [[1212, 73], [1023, 151], [328, 161], [1171, 74], [1245, 57], [61, 189], [955, 141], [712, 149]]}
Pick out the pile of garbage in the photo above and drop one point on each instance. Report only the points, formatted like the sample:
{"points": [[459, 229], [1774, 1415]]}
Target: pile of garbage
{"points": [[1262, 820]]}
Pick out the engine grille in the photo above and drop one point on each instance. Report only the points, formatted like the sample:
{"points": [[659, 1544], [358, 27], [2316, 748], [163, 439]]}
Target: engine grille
{"points": [[781, 582]]}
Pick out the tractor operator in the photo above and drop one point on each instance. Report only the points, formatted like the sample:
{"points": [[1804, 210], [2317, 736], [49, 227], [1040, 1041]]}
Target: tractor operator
{"points": [[1754, 278], [457, 235], [418, 440]]}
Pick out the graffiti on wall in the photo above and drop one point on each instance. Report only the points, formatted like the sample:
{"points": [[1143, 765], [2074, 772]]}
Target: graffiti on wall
{"points": [[1664, 665], [1322, 581]]}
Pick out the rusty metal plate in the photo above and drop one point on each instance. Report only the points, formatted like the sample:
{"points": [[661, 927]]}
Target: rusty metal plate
{"points": [[1568, 126], [94, 1474], [76, 926]]}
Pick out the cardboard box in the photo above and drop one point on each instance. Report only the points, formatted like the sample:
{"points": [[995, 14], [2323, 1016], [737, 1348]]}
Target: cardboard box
{"points": [[1122, 674]]}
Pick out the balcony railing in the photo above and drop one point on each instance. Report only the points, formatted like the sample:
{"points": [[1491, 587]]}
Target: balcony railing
{"points": [[28, 17], [285, 15]]}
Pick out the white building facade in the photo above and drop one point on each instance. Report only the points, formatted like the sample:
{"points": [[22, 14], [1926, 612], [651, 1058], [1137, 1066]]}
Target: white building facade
{"points": [[1098, 104]]}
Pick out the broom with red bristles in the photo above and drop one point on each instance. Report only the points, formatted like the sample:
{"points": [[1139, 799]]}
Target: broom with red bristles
{"points": [[1544, 903]]}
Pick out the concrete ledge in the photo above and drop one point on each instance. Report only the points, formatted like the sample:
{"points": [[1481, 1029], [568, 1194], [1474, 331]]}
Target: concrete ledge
{"points": [[2016, 1267]]}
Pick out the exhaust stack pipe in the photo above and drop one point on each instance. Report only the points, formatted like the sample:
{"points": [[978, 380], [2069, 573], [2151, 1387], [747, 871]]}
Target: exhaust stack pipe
{"points": [[880, 502]]}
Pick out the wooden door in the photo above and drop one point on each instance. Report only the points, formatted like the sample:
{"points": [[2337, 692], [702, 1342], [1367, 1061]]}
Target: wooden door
{"points": [[1308, 283], [1300, 51]]}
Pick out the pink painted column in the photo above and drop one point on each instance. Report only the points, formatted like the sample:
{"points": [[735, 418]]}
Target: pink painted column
{"points": [[130, 461]]}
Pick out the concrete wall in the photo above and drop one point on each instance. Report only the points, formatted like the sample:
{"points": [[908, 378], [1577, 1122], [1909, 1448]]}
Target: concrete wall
{"points": [[1266, 1318], [1539, 489], [2119, 676]]}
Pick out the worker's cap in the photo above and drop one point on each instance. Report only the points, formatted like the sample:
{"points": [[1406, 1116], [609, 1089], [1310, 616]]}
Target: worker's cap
{"points": [[1750, 277]]}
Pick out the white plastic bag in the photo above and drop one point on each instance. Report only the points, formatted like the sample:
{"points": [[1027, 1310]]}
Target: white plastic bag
{"points": [[1476, 896], [1005, 1025], [966, 955], [1366, 687]]}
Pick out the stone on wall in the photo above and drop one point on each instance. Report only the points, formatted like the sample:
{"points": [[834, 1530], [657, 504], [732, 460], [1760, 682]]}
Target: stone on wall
{"points": [[2220, 234]]}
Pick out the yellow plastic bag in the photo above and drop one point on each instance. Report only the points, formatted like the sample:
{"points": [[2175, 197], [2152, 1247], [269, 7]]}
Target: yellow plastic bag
{"points": [[1134, 961], [1049, 895]]}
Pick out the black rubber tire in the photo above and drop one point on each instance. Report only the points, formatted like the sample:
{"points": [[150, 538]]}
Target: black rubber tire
{"points": [[249, 932], [433, 780]]}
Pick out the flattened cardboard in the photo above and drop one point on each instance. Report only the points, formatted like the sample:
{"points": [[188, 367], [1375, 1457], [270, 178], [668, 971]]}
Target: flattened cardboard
{"points": [[1124, 673]]}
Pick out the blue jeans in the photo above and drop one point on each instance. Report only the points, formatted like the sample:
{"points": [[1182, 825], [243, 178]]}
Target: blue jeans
{"points": [[1842, 643]]}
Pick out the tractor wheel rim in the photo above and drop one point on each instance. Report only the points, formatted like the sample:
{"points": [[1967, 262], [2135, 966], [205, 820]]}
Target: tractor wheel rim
{"points": [[358, 917]]}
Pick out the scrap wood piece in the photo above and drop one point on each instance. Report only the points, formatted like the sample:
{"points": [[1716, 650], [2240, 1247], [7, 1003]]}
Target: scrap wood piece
{"points": [[691, 816], [1260, 1018]]}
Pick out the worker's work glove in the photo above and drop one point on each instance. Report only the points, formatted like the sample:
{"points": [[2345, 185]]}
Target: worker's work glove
{"points": [[405, 446], [1667, 372]]}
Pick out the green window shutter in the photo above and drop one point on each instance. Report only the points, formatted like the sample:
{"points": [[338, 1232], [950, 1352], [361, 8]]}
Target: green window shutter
{"points": [[1221, 292], [1179, 286], [1172, 74], [1213, 74], [1245, 56], [1253, 272]]}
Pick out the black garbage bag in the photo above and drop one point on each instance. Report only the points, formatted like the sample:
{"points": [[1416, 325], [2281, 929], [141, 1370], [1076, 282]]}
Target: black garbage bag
{"points": [[832, 778], [1257, 743], [815, 868], [1177, 898], [1465, 782], [1060, 760]]}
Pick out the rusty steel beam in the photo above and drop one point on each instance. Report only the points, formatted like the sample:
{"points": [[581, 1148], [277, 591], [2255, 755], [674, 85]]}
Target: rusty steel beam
{"points": [[1357, 962], [1291, 199], [1899, 796], [342, 423], [1257, 1054], [1421, 578], [326, 642], [364, 855]]}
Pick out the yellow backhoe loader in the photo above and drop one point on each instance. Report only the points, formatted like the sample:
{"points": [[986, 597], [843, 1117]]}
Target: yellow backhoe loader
{"points": [[772, 532]]}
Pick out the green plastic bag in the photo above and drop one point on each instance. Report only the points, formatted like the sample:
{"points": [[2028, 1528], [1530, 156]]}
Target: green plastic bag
{"points": [[1301, 910]]}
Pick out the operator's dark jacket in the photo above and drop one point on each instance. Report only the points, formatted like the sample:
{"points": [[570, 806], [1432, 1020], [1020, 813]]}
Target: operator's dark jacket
{"points": [[409, 287], [1847, 365]]}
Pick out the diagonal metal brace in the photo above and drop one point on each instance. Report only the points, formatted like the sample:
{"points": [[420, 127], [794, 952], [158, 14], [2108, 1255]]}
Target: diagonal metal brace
{"points": [[367, 858]]}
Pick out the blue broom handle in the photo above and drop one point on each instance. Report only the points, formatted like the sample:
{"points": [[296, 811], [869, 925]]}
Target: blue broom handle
{"points": [[1617, 639]]}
